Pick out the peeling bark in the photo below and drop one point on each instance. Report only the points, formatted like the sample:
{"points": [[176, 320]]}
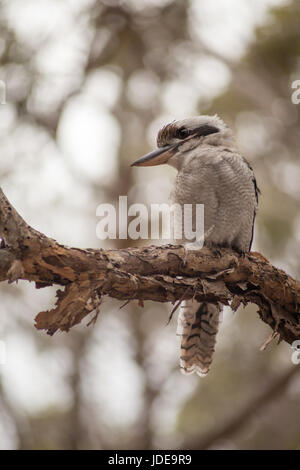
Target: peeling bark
{"points": [[161, 274]]}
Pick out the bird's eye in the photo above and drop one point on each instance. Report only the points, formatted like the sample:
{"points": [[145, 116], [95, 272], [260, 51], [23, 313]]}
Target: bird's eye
{"points": [[182, 133]]}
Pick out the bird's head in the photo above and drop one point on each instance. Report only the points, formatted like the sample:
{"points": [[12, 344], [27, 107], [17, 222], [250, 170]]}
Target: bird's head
{"points": [[180, 137]]}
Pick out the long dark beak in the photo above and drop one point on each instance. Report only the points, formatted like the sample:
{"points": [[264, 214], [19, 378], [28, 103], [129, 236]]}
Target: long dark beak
{"points": [[157, 157]]}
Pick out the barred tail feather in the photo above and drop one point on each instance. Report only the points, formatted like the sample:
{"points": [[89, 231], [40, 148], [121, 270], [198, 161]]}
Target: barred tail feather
{"points": [[198, 325]]}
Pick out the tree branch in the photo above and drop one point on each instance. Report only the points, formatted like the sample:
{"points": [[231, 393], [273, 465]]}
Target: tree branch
{"points": [[149, 273]]}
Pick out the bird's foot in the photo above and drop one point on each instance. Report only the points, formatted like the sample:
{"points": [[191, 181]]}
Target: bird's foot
{"points": [[217, 252], [184, 257]]}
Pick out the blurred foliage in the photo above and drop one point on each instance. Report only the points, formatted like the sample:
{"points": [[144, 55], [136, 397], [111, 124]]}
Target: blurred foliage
{"points": [[118, 385]]}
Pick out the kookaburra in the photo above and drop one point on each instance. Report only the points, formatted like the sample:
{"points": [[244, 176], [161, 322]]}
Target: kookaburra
{"points": [[210, 171]]}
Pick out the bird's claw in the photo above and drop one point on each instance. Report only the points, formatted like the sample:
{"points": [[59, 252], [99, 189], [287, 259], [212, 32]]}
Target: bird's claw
{"points": [[184, 261]]}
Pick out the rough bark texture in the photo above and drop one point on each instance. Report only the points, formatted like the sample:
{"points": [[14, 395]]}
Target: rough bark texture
{"points": [[161, 274]]}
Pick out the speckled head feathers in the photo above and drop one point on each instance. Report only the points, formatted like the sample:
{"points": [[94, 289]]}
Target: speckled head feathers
{"points": [[198, 125]]}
